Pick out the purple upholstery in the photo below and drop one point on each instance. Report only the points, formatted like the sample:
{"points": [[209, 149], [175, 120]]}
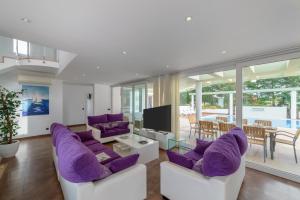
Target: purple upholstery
{"points": [[96, 147], [123, 125], [198, 166], [222, 157], [201, 146], [85, 135], [61, 131], [180, 159], [194, 156], [114, 132], [97, 119], [77, 163], [241, 139], [123, 163], [54, 133], [90, 142], [115, 117]]}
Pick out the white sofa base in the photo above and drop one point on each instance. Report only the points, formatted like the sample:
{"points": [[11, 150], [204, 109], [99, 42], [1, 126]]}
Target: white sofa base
{"points": [[179, 183], [97, 134], [128, 184]]}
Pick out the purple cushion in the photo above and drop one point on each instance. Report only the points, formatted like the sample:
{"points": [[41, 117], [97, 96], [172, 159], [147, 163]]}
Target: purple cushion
{"points": [[115, 117], [97, 119], [77, 163], [123, 125], [201, 146], [114, 132], [194, 156], [222, 157], [90, 142], [97, 147], [241, 139], [180, 159], [123, 163], [61, 131], [198, 166], [85, 135], [53, 130]]}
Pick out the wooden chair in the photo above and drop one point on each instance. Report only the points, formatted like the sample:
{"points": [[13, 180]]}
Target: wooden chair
{"points": [[193, 123], [257, 135], [245, 122], [207, 128], [287, 138], [225, 127], [221, 119], [263, 122]]}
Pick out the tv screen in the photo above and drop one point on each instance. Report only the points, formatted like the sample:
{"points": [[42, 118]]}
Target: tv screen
{"points": [[158, 118]]}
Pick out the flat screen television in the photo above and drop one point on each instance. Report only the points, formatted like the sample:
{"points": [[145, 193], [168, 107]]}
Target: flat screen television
{"points": [[158, 118]]}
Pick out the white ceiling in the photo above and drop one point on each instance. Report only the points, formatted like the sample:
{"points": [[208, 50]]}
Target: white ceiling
{"points": [[153, 32]]}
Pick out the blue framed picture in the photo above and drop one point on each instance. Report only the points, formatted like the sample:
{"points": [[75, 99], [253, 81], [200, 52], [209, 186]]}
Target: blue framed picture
{"points": [[35, 100]]}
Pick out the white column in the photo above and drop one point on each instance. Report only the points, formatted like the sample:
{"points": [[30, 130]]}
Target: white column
{"points": [[192, 102], [230, 104], [294, 104], [198, 100], [239, 95]]}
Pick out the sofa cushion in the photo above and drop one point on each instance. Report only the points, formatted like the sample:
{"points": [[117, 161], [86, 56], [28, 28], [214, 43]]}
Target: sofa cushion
{"points": [[123, 163], [114, 132], [241, 139], [201, 146], [54, 131], [180, 159], [90, 142], [85, 135], [193, 155], [123, 125], [115, 117], [96, 147], [97, 119], [198, 166], [61, 131], [77, 163], [222, 157]]}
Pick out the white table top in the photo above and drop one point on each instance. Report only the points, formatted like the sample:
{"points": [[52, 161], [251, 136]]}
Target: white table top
{"points": [[133, 141]]}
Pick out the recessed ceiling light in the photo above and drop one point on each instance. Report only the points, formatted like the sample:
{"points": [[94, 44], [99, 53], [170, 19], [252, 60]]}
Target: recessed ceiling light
{"points": [[98, 67], [83, 75], [124, 52], [136, 74], [167, 66], [224, 52], [26, 20], [188, 19]]}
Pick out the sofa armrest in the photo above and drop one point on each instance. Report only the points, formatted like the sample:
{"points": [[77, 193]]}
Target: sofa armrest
{"points": [[126, 184], [175, 179], [96, 132]]}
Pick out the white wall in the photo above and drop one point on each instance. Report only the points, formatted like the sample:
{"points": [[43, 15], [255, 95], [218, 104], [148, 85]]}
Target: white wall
{"points": [[102, 99], [76, 104], [37, 125], [116, 99]]}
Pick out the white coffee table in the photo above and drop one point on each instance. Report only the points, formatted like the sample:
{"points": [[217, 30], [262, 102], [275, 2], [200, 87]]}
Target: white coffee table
{"points": [[148, 151]]}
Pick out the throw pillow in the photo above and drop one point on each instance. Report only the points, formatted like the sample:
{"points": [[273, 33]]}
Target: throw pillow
{"points": [[85, 135], [198, 165], [123, 163], [201, 146], [180, 159]]}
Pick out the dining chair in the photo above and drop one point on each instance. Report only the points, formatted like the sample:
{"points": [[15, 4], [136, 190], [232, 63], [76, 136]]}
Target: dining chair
{"points": [[193, 124], [263, 122], [225, 127], [221, 119], [245, 121], [207, 128], [257, 135], [288, 138]]}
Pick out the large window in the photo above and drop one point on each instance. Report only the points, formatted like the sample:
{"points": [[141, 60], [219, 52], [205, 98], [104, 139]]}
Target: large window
{"points": [[21, 47]]}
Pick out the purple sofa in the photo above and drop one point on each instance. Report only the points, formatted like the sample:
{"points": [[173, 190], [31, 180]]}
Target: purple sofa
{"points": [[83, 176], [106, 126]]}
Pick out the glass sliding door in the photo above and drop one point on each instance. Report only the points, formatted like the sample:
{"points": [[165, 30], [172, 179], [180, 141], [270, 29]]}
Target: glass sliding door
{"points": [[127, 102], [139, 104], [271, 105]]}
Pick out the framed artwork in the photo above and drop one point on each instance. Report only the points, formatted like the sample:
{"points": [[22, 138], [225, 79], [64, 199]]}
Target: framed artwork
{"points": [[35, 100]]}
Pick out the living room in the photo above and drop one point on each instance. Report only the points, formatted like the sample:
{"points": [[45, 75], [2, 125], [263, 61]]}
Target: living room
{"points": [[149, 100]]}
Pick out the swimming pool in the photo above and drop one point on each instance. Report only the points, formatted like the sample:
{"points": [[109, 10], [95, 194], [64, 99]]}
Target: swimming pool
{"points": [[284, 123]]}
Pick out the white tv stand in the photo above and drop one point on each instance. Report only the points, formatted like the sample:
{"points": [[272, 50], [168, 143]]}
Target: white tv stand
{"points": [[161, 136]]}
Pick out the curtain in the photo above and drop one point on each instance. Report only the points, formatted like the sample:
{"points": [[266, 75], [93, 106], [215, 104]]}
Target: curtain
{"points": [[166, 92]]}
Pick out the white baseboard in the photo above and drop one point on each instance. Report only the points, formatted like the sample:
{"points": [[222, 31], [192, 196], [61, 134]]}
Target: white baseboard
{"points": [[273, 171]]}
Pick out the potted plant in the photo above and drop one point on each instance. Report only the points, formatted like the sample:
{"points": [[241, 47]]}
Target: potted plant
{"points": [[9, 107]]}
